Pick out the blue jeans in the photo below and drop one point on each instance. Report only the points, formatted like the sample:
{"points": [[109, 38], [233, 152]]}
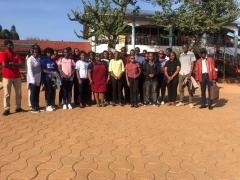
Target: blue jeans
{"points": [[151, 90], [206, 83], [34, 96]]}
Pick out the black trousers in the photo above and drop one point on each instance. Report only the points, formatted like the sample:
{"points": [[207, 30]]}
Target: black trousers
{"points": [[126, 89], [60, 97], [34, 96], [206, 83], [133, 90], [75, 90], [66, 90], [172, 89], [50, 91], [108, 94], [84, 92], [116, 90], [162, 86], [141, 88]]}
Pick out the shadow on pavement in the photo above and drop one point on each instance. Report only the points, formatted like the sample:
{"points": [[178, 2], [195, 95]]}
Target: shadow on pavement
{"points": [[216, 103]]}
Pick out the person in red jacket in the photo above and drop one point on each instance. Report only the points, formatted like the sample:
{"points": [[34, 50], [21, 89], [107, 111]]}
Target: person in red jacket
{"points": [[206, 75]]}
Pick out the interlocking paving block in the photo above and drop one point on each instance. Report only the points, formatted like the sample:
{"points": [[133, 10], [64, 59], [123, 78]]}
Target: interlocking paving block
{"points": [[121, 143]]}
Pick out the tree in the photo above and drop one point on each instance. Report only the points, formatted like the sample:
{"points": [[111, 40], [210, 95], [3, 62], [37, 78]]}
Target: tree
{"points": [[105, 19], [6, 34], [14, 34], [194, 18], [1, 32]]}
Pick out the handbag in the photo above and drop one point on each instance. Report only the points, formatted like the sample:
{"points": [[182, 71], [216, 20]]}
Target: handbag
{"points": [[214, 92]]}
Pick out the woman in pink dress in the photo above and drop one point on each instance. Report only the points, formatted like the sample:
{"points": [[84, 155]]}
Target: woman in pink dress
{"points": [[98, 76]]}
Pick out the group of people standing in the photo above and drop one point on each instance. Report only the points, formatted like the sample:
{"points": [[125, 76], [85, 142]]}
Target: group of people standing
{"points": [[114, 78]]}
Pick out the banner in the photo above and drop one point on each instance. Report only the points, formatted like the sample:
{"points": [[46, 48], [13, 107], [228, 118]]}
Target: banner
{"points": [[121, 41]]}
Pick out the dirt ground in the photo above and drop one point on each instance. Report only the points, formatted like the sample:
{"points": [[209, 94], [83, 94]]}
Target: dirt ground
{"points": [[162, 143]]}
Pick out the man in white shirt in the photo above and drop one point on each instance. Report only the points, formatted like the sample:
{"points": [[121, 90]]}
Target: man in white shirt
{"points": [[187, 60]]}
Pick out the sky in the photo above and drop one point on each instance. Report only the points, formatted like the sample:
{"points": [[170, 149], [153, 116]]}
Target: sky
{"points": [[44, 19]]}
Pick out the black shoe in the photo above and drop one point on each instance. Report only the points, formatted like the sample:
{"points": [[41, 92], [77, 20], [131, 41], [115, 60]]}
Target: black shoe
{"points": [[19, 110], [202, 107], [34, 110], [6, 112], [210, 107], [132, 105], [136, 106]]}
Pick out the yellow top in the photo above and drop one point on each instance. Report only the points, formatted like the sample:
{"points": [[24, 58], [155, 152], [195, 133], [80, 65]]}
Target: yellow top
{"points": [[116, 67]]}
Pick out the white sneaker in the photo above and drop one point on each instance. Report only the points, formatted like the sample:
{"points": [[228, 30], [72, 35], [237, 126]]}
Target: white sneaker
{"points": [[49, 109], [69, 106], [162, 103], [64, 107], [179, 104], [191, 105]]}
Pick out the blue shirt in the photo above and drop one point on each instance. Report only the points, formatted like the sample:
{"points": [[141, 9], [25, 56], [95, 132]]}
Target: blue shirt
{"points": [[49, 65], [139, 59], [162, 62]]}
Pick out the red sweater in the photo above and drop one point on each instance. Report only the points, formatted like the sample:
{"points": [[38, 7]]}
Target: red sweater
{"points": [[212, 74]]}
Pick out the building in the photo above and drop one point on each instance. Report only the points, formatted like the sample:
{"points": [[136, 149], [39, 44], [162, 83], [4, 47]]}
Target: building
{"points": [[22, 46], [145, 34]]}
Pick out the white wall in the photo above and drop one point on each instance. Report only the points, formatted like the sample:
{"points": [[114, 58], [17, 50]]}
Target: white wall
{"points": [[102, 47]]}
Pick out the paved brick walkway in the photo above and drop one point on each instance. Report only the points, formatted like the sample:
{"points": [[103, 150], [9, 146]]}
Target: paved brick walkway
{"points": [[162, 143]]}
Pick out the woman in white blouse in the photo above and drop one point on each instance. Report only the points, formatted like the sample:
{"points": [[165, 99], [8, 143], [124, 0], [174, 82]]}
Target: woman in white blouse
{"points": [[34, 78]]}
